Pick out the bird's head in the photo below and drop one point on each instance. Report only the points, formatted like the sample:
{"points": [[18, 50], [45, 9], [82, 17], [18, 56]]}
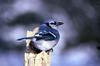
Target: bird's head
{"points": [[54, 24]]}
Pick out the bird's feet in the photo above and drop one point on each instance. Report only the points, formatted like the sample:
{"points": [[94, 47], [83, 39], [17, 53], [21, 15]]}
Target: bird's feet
{"points": [[50, 50]]}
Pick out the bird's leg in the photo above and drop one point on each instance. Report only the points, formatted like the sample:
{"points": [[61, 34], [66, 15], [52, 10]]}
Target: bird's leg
{"points": [[50, 50]]}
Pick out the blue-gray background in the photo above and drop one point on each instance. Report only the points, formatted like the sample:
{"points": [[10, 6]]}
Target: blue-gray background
{"points": [[80, 35]]}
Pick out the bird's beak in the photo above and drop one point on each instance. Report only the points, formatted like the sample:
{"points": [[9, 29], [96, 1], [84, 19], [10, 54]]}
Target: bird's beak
{"points": [[59, 23]]}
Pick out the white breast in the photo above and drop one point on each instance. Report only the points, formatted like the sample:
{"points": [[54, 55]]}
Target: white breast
{"points": [[44, 45]]}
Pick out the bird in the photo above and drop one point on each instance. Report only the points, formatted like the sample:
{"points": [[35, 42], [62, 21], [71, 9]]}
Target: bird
{"points": [[47, 36]]}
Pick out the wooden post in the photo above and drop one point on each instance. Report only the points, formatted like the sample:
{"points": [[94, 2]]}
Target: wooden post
{"points": [[35, 59]]}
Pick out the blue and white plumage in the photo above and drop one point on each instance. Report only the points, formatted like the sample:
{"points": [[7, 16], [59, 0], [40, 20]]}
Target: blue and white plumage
{"points": [[47, 37]]}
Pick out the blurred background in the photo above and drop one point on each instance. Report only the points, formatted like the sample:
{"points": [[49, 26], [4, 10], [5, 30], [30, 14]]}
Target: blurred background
{"points": [[79, 44]]}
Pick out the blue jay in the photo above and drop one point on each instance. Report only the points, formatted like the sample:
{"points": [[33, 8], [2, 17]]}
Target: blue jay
{"points": [[47, 37]]}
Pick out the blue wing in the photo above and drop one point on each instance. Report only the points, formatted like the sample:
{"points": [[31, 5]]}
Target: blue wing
{"points": [[47, 33], [44, 35]]}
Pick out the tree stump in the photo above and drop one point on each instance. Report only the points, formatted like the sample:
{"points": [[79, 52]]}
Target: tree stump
{"points": [[35, 59]]}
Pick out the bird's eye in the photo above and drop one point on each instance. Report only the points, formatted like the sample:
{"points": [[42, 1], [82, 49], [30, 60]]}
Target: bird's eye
{"points": [[52, 23]]}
